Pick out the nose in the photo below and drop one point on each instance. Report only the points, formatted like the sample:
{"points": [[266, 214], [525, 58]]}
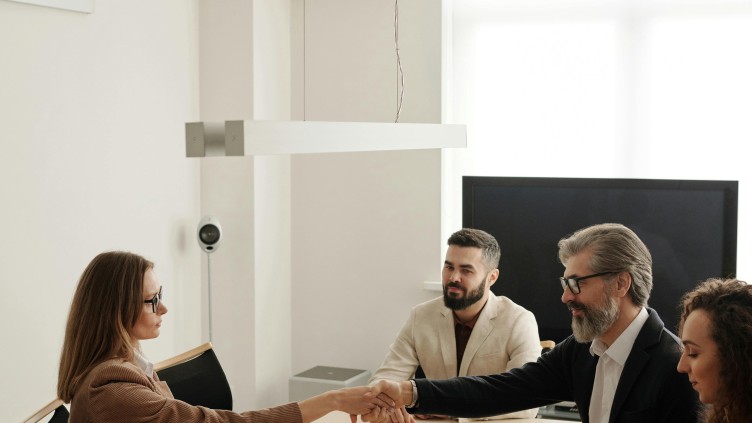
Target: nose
{"points": [[567, 296], [162, 308], [682, 366], [454, 276]]}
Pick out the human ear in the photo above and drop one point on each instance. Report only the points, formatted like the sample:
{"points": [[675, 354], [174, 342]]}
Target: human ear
{"points": [[623, 283], [493, 276]]}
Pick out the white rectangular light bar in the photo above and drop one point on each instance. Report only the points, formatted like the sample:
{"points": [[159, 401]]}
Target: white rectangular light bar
{"points": [[253, 137], [84, 6]]}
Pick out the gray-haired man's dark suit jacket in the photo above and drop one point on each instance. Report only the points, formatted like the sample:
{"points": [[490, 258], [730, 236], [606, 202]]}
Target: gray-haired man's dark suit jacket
{"points": [[650, 388]]}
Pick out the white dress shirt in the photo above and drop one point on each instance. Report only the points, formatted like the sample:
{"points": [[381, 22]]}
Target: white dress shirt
{"points": [[609, 368], [143, 363]]}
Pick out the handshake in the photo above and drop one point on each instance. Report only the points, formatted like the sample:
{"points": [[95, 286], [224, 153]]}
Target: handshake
{"points": [[382, 402]]}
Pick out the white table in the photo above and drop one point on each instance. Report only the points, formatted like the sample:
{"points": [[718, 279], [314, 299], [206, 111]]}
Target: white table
{"points": [[340, 417]]}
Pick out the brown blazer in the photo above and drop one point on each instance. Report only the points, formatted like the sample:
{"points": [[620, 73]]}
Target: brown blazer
{"points": [[118, 391]]}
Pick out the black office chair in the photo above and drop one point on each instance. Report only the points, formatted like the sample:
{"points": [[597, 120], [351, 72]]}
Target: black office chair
{"points": [[56, 408], [197, 378]]}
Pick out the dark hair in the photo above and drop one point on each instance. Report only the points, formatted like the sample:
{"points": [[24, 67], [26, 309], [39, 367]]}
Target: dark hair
{"points": [[490, 251], [105, 307], [728, 303], [615, 248]]}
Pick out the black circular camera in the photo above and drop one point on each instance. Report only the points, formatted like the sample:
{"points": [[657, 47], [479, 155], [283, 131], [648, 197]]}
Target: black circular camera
{"points": [[209, 234]]}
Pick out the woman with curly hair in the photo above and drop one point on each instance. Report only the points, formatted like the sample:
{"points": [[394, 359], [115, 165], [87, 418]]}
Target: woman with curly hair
{"points": [[716, 331]]}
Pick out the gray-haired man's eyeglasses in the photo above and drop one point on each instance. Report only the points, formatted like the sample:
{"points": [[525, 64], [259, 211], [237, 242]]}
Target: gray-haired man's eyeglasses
{"points": [[574, 283]]}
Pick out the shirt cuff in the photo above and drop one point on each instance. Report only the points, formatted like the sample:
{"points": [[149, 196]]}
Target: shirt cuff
{"points": [[415, 395]]}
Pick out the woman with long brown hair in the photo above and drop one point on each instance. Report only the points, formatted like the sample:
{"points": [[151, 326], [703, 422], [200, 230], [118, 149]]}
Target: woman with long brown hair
{"points": [[105, 376]]}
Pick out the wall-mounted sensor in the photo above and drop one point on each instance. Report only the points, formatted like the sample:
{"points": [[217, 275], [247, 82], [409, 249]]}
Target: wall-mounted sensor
{"points": [[209, 234]]}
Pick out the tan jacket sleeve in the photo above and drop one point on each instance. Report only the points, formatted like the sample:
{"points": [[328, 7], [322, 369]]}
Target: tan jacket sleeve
{"points": [[118, 391], [402, 359]]}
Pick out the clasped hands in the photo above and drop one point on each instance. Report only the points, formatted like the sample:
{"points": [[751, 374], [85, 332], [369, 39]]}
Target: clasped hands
{"points": [[382, 402]]}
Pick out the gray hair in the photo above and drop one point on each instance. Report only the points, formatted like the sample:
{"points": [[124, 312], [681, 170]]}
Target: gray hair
{"points": [[490, 251], [614, 248]]}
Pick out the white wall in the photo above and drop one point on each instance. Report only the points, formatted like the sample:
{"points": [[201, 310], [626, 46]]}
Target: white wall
{"points": [[344, 70], [365, 226], [92, 158], [271, 88], [245, 74]]}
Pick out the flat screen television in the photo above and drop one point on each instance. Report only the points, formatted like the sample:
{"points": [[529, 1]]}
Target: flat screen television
{"points": [[688, 225]]}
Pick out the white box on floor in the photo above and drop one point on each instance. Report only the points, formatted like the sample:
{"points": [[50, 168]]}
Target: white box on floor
{"points": [[320, 379]]}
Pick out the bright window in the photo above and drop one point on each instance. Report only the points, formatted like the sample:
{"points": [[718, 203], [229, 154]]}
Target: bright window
{"points": [[626, 89]]}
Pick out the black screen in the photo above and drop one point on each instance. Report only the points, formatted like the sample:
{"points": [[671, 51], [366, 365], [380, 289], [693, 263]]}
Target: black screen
{"points": [[688, 226]]}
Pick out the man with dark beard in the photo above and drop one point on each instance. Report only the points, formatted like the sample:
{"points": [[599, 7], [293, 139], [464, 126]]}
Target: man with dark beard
{"points": [[467, 331], [618, 366]]}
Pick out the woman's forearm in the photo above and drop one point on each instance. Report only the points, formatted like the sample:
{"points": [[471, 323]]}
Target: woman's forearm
{"points": [[355, 401], [316, 407]]}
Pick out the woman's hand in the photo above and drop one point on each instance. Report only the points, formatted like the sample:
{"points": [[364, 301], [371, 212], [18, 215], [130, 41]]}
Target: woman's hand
{"points": [[361, 400]]}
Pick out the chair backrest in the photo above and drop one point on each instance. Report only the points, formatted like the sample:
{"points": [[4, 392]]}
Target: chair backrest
{"points": [[197, 378], [56, 408]]}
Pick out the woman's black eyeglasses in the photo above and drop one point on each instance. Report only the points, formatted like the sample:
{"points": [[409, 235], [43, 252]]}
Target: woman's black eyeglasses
{"points": [[155, 301]]}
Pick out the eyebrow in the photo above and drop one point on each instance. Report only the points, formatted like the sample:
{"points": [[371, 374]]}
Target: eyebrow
{"points": [[686, 342], [463, 266]]}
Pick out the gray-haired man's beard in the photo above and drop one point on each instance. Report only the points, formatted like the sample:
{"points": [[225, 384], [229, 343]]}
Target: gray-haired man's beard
{"points": [[595, 321]]}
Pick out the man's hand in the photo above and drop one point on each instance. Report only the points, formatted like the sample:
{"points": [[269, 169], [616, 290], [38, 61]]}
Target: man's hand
{"points": [[380, 415], [397, 393], [401, 415], [400, 392], [361, 400]]}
